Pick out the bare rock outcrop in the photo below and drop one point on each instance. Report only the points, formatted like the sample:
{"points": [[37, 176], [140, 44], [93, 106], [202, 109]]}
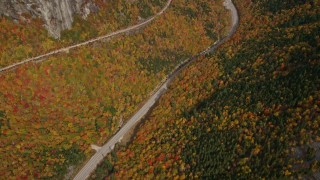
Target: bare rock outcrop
{"points": [[58, 15]]}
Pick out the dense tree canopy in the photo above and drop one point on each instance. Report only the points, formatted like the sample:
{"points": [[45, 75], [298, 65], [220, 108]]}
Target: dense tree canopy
{"points": [[240, 112], [52, 111]]}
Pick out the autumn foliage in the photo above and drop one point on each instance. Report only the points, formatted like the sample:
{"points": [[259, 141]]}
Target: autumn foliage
{"points": [[28, 38], [239, 112], [52, 111]]}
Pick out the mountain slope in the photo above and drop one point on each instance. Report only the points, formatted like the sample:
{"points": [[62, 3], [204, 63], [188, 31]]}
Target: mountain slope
{"points": [[24, 39], [51, 112], [242, 111]]}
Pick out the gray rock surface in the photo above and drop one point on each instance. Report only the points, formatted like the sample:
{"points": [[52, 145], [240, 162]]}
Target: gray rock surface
{"points": [[57, 15]]}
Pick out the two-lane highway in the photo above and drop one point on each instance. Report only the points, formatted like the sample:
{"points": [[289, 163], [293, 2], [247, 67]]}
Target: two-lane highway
{"points": [[85, 172]]}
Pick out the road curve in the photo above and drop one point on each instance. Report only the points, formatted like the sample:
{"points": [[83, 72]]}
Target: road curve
{"points": [[91, 165], [65, 49]]}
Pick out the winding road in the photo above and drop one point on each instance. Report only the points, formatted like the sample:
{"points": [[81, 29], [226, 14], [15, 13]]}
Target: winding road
{"points": [[66, 49], [91, 165]]}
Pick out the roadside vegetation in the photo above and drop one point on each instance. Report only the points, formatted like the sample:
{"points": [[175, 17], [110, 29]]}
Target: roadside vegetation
{"points": [[240, 112], [28, 39], [52, 111]]}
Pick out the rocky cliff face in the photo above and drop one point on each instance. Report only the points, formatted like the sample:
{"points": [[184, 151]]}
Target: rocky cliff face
{"points": [[58, 15]]}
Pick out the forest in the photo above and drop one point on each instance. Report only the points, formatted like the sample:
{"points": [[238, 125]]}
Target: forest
{"points": [[53, 110], [241, 112], [18, 42]]}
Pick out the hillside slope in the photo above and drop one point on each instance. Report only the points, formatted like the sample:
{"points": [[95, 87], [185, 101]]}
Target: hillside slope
{"points": [[24, 39], [241, 112], [51, 112]]}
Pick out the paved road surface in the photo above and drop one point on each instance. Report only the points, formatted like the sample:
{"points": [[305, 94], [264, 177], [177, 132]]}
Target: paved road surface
{"points": [[91, 165], [66, 49]]}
